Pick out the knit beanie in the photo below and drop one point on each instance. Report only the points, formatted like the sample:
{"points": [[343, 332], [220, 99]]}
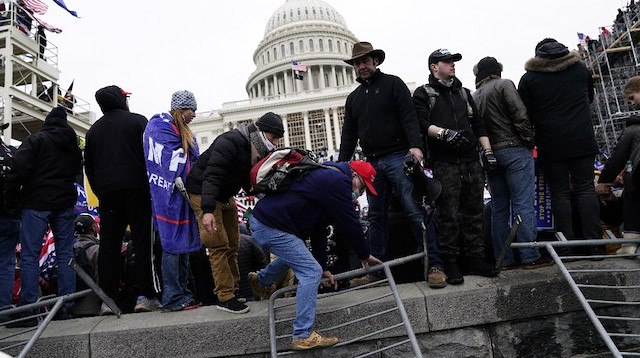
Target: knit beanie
{"points": [[183, 100], [486, 67], [271, 123]]}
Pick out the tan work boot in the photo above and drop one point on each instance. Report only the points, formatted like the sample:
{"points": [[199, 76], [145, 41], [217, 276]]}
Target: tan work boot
{"points": [[315, 340], [436, 278], [366, 279], [258, 291]]}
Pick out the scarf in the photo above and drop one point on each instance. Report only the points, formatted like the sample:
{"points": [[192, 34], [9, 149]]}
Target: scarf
{"points": [[252, 134]]}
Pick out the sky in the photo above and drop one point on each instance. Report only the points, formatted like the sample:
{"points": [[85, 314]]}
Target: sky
{"points": [[154, 48]]}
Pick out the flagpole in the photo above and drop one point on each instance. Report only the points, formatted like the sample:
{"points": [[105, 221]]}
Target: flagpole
{"points": [[293, 76]]}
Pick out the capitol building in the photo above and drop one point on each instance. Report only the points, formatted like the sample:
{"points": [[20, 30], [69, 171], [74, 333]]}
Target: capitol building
{"points": [[314, 34]]}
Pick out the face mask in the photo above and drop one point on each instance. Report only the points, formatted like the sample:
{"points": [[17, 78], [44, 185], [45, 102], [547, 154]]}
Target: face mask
{"points": [[355, 194], [270, 146]]}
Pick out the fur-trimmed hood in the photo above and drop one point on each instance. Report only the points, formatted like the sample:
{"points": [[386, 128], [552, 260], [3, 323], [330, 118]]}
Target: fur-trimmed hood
{"points": [[538, 64]]}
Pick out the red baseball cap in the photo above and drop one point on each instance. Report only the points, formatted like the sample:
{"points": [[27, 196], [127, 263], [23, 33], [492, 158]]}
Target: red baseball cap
{"points": [[366, 172], [125, 92]]}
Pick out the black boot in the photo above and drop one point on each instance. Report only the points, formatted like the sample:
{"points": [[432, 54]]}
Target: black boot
{"points": [[480, 267], [452, 270]]}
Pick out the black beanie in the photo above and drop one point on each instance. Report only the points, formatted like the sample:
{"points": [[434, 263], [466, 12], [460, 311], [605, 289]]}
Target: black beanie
{"points": [[486, 67], [552, 50], [271, 123]]}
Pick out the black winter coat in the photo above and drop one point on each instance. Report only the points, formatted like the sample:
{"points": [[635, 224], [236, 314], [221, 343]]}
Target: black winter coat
{"points": [[379, 113], [114, 159], [46, 165], [557, 94], [449, 111], [628, 148], [222, 169]]}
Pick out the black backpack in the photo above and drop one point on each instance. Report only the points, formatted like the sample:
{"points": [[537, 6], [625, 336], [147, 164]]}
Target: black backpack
{"points": [[80, 255]]}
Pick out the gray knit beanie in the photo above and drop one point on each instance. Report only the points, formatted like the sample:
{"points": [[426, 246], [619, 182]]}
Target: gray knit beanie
{"points": [[271, 123], [183, 100]]}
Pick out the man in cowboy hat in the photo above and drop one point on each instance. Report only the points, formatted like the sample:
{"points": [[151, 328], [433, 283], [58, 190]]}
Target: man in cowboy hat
{"points": [[381, 115]]}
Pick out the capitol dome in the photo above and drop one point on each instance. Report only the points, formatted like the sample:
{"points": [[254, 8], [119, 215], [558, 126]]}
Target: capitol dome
{"points": [[310, 32]]}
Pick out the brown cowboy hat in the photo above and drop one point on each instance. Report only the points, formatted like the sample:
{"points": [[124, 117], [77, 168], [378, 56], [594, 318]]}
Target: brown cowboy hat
{"points": [[361, 49]]}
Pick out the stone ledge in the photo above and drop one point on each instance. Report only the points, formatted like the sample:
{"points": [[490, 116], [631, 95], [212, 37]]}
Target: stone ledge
{"points": [[479, 316]]}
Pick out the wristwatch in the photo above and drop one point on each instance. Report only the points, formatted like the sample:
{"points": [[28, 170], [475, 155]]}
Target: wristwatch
{"points": [[440, 134]]}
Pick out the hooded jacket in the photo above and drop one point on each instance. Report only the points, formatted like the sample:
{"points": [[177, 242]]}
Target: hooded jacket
{"points": [[557, 91], [46, 165], [504, 114], [380, 114], [628, 148], [449, 111], [321, 197], [114, 159]]}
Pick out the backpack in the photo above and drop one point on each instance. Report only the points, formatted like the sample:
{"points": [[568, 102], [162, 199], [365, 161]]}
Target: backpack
{"points": [[433, 94], [80, 255], [275, 172]]}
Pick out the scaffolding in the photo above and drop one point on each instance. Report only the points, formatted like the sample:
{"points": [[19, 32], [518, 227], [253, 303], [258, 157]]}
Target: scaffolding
{"points": [[612, 60], [29, 78]]}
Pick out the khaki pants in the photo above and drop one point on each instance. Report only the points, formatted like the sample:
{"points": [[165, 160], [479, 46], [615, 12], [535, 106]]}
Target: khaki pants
{"points": [[222, 245]]}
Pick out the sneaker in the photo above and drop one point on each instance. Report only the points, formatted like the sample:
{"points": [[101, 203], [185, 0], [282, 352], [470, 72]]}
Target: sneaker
{"points": [[147, 305], [258, 291], [233, 306], [480, 267], [364, 280], [513, 266], [315, 340], [541, 262], [436, 278], [193, 304], [453, 273], [105, 310]]}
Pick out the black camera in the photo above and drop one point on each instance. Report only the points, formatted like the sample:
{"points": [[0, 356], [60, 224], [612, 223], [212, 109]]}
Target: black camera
{"points": [[425, 189]]}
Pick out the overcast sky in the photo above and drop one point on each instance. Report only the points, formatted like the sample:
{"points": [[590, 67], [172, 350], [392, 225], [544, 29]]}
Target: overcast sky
{"points": [[154, 48]]}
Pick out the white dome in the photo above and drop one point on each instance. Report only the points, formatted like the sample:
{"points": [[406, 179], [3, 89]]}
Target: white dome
{"points": [[303, 10]]}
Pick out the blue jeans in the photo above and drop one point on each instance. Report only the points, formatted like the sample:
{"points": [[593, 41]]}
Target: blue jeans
{"points": [[9, 236], [513, 183], [34, 225], [390, 175], [175, 273], [291, 253]]}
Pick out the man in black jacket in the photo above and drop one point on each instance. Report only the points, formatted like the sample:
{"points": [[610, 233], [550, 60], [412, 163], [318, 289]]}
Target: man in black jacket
{"points": [[47, 163], [115, 167], [454, 128], [557, 91], [10, 222], [216, 177], [380, 115]]}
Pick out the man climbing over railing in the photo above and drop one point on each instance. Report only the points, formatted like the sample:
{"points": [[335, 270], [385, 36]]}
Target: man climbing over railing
{"points": [[280, 222]]}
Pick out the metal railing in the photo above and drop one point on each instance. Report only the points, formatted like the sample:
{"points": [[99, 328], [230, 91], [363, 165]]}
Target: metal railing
{"points": [[596, 295], [395, 317]]}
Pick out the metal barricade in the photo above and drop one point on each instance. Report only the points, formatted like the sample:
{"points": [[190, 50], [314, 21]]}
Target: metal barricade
{"points": [[398, 312], [39, 311], [597, 294]]}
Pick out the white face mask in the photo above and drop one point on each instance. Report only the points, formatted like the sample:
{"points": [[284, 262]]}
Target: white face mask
{"points": [[270, 146]]}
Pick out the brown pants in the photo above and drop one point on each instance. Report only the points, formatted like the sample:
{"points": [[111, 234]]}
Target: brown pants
{"points": [[222, 245]]}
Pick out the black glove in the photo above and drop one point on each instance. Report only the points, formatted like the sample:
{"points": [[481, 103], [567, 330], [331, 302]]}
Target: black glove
{"points": [[528, 143], [454, 138], [489, 160]]}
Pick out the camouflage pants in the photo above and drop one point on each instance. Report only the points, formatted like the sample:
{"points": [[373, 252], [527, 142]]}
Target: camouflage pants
{"points": [[462, 189]]}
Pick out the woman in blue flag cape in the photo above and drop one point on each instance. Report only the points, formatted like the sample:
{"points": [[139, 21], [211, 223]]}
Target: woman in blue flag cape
{"points": [[170, 150]]}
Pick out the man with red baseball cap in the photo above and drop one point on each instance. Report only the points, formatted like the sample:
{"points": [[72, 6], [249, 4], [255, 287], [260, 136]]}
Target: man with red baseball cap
{"points": [[281, 221]]}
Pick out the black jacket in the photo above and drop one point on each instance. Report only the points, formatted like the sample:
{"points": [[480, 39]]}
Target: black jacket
{"points": [[47, 163], [557, 93], [504, 114], [222, 169], [114, 159], [628, 148], [379, 113], [449, 111]]}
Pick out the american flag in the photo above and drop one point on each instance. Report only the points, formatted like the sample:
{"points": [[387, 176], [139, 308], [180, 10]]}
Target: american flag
{"points": [[299, 66], [47, 257], [37, 6], [582, 40], [241, 209]]}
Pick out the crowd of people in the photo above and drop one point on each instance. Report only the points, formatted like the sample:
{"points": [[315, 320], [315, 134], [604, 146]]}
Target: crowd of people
{"points": [[155, 186]]}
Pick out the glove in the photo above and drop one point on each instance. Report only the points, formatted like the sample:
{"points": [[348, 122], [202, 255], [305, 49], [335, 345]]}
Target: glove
{"points": [[528, 143], [489, 161], [453, 138]]}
